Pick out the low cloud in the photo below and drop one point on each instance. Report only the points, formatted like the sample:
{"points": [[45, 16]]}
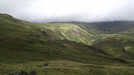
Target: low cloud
{"points": [[69, 10]]}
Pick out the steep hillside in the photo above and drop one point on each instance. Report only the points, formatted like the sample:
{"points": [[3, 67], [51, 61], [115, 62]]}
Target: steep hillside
{"points": [[48, 49], [70, 32], [22, 41]]}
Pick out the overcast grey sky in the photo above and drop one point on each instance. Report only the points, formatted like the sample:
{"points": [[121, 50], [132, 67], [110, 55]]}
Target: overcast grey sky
{"points": [[68, 10]]}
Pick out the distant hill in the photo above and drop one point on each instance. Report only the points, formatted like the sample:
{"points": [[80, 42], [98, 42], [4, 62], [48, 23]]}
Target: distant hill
{"points": [[106, 26], [114, 26]]}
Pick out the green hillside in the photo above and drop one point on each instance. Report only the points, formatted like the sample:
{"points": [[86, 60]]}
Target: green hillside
{"points": [[70, 32], [49, 49], [117, 45], [113, 37]]}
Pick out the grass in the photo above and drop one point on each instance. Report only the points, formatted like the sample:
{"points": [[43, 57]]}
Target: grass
{"points": [[64, 67]]}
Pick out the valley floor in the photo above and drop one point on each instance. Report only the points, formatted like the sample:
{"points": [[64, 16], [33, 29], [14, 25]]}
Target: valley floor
{"points": [[64, 67]]}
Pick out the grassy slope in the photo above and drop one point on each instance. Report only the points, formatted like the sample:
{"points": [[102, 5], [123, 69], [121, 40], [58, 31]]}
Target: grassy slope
{"points": [[117, 45], [27, 46], [70, 32], [120, 44]]}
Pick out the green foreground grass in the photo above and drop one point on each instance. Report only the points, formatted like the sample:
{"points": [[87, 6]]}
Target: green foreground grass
{"points": [[64, 67]]}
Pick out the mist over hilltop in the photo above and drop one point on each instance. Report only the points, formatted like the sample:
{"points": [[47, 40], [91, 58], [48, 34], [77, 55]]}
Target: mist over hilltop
{"points": [[69, 10]]}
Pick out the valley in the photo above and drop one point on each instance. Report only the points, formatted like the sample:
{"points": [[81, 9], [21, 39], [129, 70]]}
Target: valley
{"points": [[66, 48]]}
